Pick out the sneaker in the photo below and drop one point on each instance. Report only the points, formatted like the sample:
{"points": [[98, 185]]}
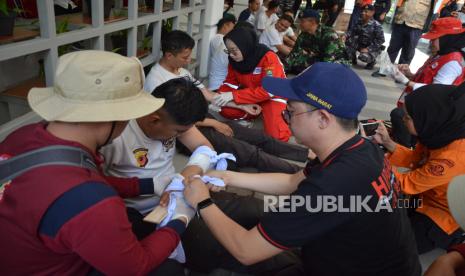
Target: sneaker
{"points": [[377, 74], [245, 123], [370, 66]]}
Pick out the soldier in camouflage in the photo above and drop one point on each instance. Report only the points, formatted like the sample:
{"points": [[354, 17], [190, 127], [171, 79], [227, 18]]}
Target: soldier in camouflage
{"points": [[367, 37], [316, 42]]}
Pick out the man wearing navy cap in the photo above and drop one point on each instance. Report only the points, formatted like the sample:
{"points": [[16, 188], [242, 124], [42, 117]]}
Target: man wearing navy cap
{"points": [[367, 37], [317, 42], [332, 212]]}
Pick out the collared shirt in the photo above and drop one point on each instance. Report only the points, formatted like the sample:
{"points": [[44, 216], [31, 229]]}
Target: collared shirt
{"points": [[338, 242]]}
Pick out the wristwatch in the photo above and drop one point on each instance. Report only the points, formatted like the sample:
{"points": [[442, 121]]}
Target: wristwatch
{"points": [[204, 203]]}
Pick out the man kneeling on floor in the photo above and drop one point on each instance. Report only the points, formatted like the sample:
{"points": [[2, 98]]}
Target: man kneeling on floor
{"points": [[146, 150], [371, 237], [59, 215]]}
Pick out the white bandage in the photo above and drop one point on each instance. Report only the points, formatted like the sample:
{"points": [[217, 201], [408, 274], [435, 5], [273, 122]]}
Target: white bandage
{"points": [[207, 159], [201, 157]]}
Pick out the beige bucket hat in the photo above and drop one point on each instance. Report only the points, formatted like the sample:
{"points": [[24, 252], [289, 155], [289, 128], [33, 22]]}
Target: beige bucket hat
{"points": [[456, 199], [94, 86]]}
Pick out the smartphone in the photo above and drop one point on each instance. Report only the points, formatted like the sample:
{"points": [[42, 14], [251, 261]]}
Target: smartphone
{"points": [[370, 128]]}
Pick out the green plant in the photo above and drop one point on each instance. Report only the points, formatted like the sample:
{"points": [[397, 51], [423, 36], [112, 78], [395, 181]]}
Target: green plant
{"points": [[62, 27], [147, 43], [5, 10]]}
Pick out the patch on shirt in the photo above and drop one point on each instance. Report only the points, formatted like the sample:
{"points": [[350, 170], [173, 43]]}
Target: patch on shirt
{"points": [[436, 169], [257, 71], [269, 71], [434, 65], [141, 157], [168, 144]]}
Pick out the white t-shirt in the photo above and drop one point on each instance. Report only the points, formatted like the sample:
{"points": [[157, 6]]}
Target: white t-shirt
{"points": [[289, 32], [446, 75], [133, 154], [271, 37], [159, 75], [218, 62], [263, 21], [461, 16]]}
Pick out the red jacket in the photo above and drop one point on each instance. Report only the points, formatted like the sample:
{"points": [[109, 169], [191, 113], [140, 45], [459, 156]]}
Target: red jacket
{"points": [[65, 220], [430, 69], [247, 88]]}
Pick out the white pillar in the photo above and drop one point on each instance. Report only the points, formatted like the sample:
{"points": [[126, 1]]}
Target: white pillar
{"points": [[213, 13], [349, 6]]}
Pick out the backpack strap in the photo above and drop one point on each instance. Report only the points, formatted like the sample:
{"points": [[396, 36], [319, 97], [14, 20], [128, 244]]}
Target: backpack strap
{"points": [[46, 156]]}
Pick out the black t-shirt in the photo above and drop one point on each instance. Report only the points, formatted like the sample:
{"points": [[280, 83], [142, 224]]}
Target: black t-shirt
{"points": [[350, 241]]}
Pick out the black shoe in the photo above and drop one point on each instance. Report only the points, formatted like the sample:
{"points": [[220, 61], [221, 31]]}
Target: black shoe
{"points": [[377, 74], [370, 66], [354, 61]]}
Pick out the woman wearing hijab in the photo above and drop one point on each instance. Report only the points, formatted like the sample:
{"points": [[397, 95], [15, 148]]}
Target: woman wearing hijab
{"points": [[435, 114], [249, 63], [445, 66]]}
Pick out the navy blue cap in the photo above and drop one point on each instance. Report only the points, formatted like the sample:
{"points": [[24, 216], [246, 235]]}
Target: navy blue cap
{"points": [[331, 86], [309, 13]]}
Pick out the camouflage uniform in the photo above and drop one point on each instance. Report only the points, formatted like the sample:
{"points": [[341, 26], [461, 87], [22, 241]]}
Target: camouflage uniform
{"points": [[369, 36], [324, 45]]}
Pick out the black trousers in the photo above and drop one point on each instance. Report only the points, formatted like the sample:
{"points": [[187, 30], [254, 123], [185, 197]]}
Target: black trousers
{"points": [[297, 3], [204, 253], [429, 235], [403, 38], [253, 148]]}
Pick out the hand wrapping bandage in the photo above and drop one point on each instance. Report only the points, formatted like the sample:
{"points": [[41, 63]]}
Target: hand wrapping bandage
{"points": [[206, 158], [175, 188]]}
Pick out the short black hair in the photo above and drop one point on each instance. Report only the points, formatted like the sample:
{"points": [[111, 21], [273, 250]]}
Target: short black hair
{"points": [[288, 10], [224, 20], [273, 4], [348, 124], [288, 18], [244, 24], [176, 41], [184, 102]]}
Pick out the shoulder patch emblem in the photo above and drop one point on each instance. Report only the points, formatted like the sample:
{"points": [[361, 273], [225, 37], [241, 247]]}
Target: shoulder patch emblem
{"points": [[436, 170]]}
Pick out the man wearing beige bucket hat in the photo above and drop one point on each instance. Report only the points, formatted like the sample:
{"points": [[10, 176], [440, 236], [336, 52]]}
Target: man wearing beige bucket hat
{"points": [[453, 263], [58, 213]]}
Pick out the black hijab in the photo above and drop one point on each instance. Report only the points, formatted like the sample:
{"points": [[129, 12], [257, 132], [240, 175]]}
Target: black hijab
{"points": [[438, 114], [252, 51], [451, 43]]}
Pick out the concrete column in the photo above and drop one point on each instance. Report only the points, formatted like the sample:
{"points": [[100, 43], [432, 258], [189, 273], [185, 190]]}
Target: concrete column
{"points": [[349, 6], [213, 13]]}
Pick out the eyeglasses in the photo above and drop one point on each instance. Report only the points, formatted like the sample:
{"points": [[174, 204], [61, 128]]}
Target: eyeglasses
{"points": [[287, 115], [231, 52]]}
